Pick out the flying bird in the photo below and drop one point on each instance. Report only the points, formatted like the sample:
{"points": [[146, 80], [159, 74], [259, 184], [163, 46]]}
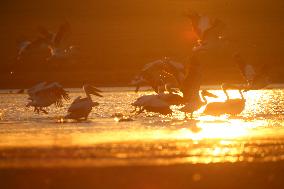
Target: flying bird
{"points": [[162, 75], [203, 27], [255, 78], [48, 40]]}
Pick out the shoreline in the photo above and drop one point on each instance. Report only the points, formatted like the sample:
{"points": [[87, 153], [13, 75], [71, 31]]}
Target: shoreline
{"points": [[129, 88]]}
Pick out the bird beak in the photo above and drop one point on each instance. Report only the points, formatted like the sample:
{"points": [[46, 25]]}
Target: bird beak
{"points": [[95, 91], [206, 93]]}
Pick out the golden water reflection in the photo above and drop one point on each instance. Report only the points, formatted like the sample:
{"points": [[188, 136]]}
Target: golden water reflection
{"points": [[255, 135]]}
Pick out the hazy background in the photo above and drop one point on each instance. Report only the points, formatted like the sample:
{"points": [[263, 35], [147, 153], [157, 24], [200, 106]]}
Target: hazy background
{"points": [[116, 37]]}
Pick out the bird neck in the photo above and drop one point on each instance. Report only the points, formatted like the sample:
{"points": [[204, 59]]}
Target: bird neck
{"points": [[226, 93], [204, 98], [241, 93], [88, 96]]}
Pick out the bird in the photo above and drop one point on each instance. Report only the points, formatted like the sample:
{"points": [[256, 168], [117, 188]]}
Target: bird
{"points": [[45, 94], [62, 53], [50, 41], [230, 106], [163, 75], [54, 43], [196, 103], [20, 91], [55, 38], [152, 103], [150, 75], [81, 107], [177, 69], [202, 27], [189, 86], [27, 45], [193, 98], [255, 79]]}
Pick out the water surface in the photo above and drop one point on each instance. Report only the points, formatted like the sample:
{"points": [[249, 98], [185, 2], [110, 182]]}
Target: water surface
{"points": [[29, 139]]}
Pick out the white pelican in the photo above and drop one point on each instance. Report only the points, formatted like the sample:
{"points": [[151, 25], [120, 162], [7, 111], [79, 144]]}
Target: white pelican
{"points": [[45, 39], [52, 38], [177, 69], [202, 26], [55, 39], [61, 53], [152, 103], [191, 88], [230, 106], [150, 75], [45, 94], [255, 79], [81, 107], [196, 102], [162, 75], [153, 80]]}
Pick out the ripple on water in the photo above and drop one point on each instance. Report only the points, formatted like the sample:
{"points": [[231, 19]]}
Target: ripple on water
{"points": [[255, 135]]}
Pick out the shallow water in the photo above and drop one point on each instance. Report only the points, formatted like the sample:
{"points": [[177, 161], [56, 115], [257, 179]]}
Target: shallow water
{"points": [[29, 139]]}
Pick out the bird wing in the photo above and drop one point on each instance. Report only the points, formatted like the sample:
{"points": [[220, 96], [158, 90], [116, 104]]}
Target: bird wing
{"points": [[158, 64], [54, 93], [23, 47], [176, 69], [249, 72], [63, 30], [177, 65], [30, 44], [210, 28], [78, 104], [44, 32], [261, 78], [32, 91], [204, 24]]}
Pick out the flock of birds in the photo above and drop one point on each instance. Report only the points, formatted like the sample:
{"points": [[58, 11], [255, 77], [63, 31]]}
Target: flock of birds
{"points": [[174, 83]]}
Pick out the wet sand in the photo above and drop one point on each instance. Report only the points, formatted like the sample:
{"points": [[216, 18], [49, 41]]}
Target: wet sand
{"points": [[220, 175]]}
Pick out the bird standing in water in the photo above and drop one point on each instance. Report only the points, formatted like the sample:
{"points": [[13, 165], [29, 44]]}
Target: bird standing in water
{"points": [[81, 107], [230, 106]]}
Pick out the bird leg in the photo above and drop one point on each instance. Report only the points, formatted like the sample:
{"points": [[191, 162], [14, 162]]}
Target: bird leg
{"points": [[36, 109]]}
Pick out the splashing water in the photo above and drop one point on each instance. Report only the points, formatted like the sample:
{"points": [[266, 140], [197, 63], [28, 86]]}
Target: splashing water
{"points": [[29, 139]]}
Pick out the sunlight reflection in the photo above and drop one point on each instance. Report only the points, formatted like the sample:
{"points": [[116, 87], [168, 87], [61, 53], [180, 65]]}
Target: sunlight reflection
{"points": [[214, 131], [256, 134]]}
